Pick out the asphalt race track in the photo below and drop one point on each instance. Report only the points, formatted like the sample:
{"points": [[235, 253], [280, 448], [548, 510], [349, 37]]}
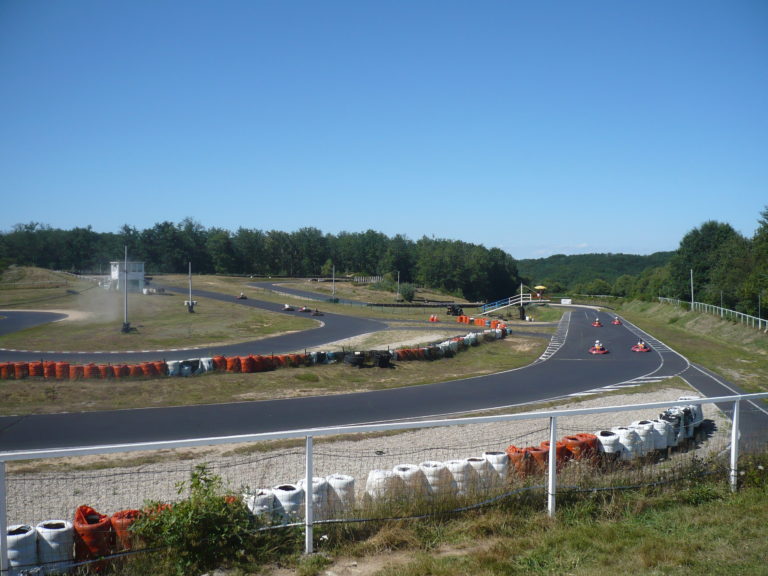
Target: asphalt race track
{"points": [[566, 369]]}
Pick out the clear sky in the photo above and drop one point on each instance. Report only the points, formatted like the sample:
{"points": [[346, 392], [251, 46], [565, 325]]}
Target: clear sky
{"points": [[537, 127]]}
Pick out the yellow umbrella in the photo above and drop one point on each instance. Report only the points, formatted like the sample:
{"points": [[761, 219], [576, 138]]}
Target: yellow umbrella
{"points": [[539, 287]]}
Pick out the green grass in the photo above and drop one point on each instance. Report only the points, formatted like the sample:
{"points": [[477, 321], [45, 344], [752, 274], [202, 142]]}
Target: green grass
{"points": [[736, 352]]}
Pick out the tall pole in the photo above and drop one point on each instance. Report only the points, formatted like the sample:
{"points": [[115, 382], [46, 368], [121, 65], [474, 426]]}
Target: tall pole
{"points": [[190, 302], [333, 281], [126, 325], [691, 289]]}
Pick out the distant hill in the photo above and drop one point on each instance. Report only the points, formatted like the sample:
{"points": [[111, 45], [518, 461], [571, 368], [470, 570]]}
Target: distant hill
{"points": [[562, 272]]}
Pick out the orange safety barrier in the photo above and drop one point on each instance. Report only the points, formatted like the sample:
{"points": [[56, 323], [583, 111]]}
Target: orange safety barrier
{"points": [[258, 363], [20, 370], [122, 522], [77, 372], [233, 364], [519, 460], [35, 369], [591, 444], [267, 363], [6, 370], [135, 370], [247, 364], [93, 534], [90, 371], [105, 371], [62, 370], [148, 369], [49, 369], [120, 370], [161, 367], [539, 458], [562, 454], [219, 363]]}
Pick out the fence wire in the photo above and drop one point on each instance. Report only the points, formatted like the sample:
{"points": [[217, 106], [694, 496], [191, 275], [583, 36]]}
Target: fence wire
{"points": [[365, 464]]}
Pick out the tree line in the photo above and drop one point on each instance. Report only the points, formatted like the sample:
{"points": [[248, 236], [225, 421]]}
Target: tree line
{"points": [[458, 268], [718, 264], [722, 266]]}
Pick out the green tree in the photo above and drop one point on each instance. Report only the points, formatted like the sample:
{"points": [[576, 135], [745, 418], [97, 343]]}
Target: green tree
{"points": [[221, 252], [700, 251]]}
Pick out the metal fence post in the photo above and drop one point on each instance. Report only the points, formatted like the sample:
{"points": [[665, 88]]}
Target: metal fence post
{"points": [[309, 493], [734, 476], [552, 462], [4, 562]]}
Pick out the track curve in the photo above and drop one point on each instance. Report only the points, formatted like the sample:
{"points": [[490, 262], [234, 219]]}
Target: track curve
{"points": [[567, 370]]}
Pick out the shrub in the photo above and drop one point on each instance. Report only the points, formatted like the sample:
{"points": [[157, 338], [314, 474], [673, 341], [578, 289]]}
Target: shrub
{"points": [[200, 532]]}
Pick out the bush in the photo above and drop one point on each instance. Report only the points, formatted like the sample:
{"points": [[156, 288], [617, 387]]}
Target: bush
{"points": [[200, 532]]}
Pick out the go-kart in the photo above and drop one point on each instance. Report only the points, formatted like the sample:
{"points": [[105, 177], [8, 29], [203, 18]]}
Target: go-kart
{"points": [[304, 309], [242, 297], [288, 308], [641, 347], [597, 323], [316, 312], [616, 322], [598, 349]]}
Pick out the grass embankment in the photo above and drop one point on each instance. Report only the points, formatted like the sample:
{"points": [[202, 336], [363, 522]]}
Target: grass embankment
{"points": [[736, 352]]}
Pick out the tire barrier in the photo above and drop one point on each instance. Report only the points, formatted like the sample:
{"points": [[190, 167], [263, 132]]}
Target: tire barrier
{"points": [[341, 494], [22, 548], [319, 496], [6, 370], [94, 534], [261, 503], [464, 476], [414, 480], [487, 478], [440, 480], [562, 454], [449, 348], [289, 502], [499, 461], [122, 522], [55, 545], [384, 485], [51, 370]]}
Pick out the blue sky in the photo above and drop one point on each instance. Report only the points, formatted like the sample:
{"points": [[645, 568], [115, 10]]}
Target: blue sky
{"points": [[535, 127]]}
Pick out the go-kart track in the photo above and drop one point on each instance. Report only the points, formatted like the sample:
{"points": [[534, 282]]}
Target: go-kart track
{"points": [[565, 369]]}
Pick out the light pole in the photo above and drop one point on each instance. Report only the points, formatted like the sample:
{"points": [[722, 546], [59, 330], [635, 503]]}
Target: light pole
{"points": [[190, 303], [126, 325]]}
